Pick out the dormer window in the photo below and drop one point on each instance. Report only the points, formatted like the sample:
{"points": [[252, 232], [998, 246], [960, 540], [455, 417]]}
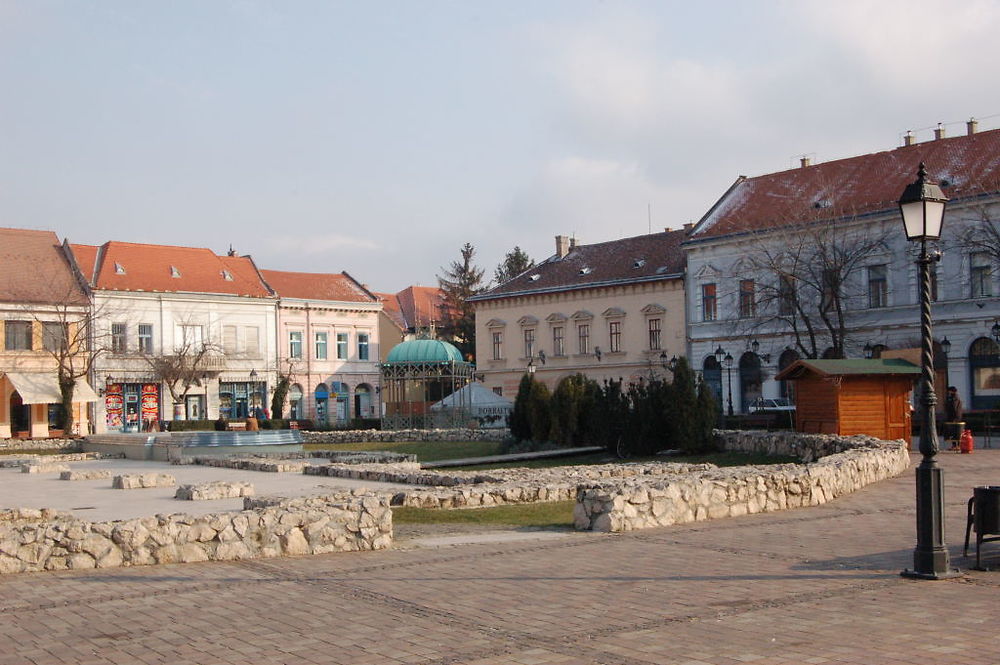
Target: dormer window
{"points": [[822, 203], [534, 278], [174, 272], [226, 275], [638, 263], [119, 269], [585, 271]]}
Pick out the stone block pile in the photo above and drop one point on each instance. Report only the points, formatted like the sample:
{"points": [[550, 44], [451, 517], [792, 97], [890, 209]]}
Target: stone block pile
{"points": [[40, 540], [92, 474], [132, 481], [43, 467], [69, 445], [215, 490], [17, 461]]}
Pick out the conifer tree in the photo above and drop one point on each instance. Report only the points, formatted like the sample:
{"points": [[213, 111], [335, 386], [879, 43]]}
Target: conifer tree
{"points": [[461, 280], [519, 420], [514, 263]]}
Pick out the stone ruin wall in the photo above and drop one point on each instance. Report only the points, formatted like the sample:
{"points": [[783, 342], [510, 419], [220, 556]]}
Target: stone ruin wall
{"points": [[37, 540], [403, 435], [837, 466]]}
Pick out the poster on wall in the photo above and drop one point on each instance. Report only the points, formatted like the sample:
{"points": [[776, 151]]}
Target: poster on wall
{"points": [[150, 402], [114, 405]]}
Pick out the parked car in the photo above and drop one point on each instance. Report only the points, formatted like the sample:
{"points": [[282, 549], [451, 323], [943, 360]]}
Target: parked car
{"points": [[771, 405]]}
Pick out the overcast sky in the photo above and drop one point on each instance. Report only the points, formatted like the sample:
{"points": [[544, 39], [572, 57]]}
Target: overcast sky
{"points": [[378, 137]]}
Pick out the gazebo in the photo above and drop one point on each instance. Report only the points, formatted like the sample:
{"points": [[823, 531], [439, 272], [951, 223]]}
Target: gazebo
{"points": [[853, 396], [415, 375]]}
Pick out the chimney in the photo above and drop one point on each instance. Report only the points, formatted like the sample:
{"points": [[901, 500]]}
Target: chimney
{"points": [[972, 126], [805, 161], [908, 138], [562, 246], [572, 242], [667, 229], [939, 132], [688, 227]]}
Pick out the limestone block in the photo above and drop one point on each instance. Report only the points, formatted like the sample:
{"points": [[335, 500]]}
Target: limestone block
{"points": [[92, 474], [142, 481], [43, 467]]}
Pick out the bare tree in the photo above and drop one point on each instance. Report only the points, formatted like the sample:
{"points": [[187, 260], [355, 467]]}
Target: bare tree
{"points": [[186, 366], [810, 280]]}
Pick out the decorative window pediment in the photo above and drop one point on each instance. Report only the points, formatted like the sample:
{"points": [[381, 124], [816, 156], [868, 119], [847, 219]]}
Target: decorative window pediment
{"points": [[556, 317], [613, 313], [582, 315], [653, 309], [708, 271], [528, 320], [496, 323]]}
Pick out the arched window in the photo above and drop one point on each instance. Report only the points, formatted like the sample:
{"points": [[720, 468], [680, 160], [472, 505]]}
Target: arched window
{"points": [[751, 379], [295, 411], [322, 395], [363, 402], [341, 391], [787, 357], [711, 373]]}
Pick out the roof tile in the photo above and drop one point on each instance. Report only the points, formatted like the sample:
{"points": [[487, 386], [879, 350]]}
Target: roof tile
{"points": [[33, 269], [338, 287]]}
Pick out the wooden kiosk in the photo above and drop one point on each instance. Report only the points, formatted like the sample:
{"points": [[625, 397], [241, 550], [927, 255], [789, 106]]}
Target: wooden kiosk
{"points": [[853, 396]]}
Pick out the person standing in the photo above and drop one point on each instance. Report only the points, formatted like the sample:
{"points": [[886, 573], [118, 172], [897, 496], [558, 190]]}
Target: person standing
{"points": [[953, 416]]}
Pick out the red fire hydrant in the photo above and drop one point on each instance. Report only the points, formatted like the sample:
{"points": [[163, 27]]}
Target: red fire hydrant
{"points": [[966, 442]]}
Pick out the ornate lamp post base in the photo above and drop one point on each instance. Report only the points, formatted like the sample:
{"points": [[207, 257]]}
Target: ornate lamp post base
{"points": [[930, 558]]}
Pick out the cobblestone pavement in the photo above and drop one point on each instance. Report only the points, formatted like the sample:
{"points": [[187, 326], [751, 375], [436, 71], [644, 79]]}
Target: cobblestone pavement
{"points": [[816, 585]]}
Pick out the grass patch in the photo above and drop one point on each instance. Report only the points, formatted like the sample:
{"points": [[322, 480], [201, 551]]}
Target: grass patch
{"points": [[719, 459], [426, 451], [539, 515]]}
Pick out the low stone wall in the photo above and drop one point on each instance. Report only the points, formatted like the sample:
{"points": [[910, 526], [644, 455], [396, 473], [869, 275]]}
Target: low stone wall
{"points": [[852, 463], [15, 461], [212, 491], [401, 435], [43, 467], [13, 445], [267, 527], [134, 481]]}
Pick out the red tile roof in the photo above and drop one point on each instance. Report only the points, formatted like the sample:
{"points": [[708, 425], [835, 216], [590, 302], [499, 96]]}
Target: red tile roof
{"points": [[421, 305], [390, 305], [338, 287], [651, 257], [34, 269], [125, 266], [966, 167]]}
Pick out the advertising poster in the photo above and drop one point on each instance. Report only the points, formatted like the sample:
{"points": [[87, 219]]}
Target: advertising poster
{"points": [[114, 405], [150, 403]]}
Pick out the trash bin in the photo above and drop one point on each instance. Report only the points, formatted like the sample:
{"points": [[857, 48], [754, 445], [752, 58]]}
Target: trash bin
{"points": [[983, 516]]}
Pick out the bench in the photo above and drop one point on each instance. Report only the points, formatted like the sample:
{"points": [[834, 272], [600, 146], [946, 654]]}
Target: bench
{"points": [[236, 426]]}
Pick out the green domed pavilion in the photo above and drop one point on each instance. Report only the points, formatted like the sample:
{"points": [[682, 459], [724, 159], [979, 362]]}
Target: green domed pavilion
{"points": [[418, 373]]}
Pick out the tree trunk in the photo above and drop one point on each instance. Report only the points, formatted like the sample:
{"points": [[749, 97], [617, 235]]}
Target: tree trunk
{"points": [[66, 388]]}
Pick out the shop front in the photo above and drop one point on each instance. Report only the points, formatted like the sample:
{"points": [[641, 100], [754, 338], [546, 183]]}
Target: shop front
{"points": [[239, 399], [31, 405], [131, 406]]}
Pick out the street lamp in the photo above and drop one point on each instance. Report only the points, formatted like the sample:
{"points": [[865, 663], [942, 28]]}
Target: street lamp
{"points": [[922, 208], [868, 350], [996, 331], [728, 362], [531, 366]]}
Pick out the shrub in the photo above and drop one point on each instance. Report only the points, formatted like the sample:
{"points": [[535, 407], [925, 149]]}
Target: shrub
{"points": [[519, 420], [569, 404], [539, 415]]}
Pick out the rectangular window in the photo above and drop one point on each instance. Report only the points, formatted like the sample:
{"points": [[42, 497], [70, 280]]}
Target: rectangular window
{"points": [[54, 337], [321, 338], [529, 342], [118, 340], [654, 335], [748, 302], [17, 336], [786, 295], [709, 310], [558, 343], [497, 345], [498, 390], [251, 341], [192, 337], [362, 346], [878, 287], [615, 333], [145, 338], [342, 346], [229, 339], [295, 344], [980, 275], [583, 337]]}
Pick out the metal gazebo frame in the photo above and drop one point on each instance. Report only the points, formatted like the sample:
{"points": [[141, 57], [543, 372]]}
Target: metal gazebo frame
{"points": [[410, 387]]}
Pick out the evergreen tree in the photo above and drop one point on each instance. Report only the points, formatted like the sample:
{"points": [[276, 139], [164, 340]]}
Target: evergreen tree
{"points": [[684, 409], [567, 409], [519, 420], [461, 281], [708, 411], [538, 412], [514, 263]]}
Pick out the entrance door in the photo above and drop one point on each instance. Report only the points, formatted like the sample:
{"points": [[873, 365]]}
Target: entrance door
{"points": [[194, 407], [20, 414]]}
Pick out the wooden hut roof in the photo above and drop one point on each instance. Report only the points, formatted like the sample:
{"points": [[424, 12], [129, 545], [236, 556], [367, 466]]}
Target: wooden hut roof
{"points": [[848, 367]]}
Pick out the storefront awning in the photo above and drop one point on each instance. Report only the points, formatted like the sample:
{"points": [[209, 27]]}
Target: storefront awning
{"points": [[39, 388]]}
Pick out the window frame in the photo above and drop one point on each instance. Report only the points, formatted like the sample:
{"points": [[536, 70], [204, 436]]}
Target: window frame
{"points": [[655, 330], [878, 286], [60, 336], [747, 303], [710, 301], [615, 336], [558, 340], [980, 275], [144, 338], [321, 345], [363, 342], [295, 344], [119, 338], [583, 338], [342, 340], [497, 341]]}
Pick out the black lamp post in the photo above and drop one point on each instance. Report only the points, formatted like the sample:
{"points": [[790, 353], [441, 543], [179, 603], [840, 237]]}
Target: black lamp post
{"points": [[868, 350], [728, 362], [996, 331], [922, 208]]}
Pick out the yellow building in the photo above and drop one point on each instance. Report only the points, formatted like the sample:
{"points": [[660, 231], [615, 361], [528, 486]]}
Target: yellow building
{"points": [[43, 316], [612, 310]]}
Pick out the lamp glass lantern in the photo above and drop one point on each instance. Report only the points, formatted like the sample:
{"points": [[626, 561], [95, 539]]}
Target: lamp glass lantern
{"points": [[922, 208]]}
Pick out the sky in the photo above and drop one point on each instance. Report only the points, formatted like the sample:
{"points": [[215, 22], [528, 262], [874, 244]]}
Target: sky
{"points": [[378, 137]]}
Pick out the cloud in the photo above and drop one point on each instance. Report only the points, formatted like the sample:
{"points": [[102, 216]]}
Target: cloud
{"points": [[321, 244]]}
